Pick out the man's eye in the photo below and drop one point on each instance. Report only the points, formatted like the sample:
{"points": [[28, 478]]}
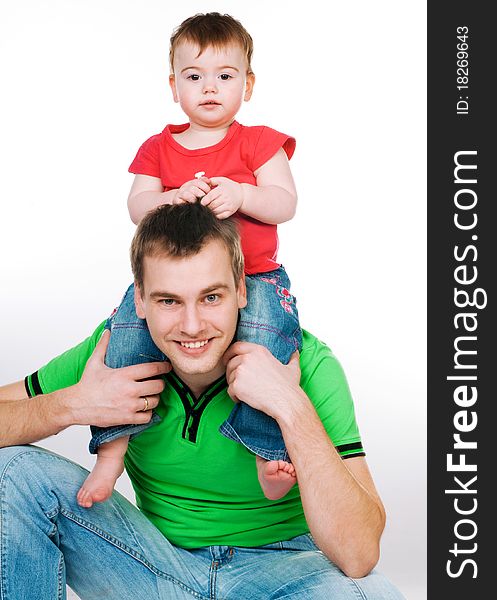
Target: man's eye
{"points": [[226, 76], [194, 77], [211, 298], [168, 301]]}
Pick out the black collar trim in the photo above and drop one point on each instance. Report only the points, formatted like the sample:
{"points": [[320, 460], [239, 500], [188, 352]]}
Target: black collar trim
{"points": [[194, 407]]}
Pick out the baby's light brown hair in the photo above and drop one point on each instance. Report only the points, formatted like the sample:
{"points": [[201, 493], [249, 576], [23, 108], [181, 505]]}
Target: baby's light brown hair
{"points": [[212, 29]]}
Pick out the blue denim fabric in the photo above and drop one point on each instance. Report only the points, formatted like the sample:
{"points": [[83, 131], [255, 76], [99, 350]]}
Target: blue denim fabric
{"points": [[113, 551], [130, 344], [270, 319]]}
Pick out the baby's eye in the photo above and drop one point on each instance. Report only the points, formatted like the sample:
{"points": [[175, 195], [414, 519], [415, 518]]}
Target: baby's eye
{"points": [[194, 77], [226, 76]]}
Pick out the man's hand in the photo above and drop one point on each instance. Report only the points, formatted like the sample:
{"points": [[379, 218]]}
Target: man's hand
{"points": [[257, 378], [190, 191], [225, 197], [106, 396]]}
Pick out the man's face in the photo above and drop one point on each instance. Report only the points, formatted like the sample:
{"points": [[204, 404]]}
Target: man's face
{"points": [[191, 307], [211, 87]]}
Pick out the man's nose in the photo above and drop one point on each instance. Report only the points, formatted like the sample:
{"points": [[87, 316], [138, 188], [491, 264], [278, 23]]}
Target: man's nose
{"points": [[192, 322]]}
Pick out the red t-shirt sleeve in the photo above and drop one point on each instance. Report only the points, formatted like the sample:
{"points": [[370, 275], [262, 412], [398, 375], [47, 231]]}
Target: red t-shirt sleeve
{"points": [[268, 142], [146, 161]]}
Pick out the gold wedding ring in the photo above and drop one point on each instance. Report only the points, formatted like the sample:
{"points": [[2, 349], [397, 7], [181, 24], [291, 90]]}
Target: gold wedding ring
{"points": [[145, 406]]}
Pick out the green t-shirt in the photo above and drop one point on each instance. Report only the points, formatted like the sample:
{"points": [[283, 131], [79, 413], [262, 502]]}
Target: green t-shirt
{"points": [[198, 487]]}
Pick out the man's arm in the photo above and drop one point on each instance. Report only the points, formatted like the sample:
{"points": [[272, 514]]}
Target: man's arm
{"points": [[102, 397], [342, 508]]}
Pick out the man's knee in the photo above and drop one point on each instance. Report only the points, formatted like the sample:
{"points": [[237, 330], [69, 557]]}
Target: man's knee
{"points": [[31, 476], [10, 454], [30, 464], [17, 467], [331, 582]]}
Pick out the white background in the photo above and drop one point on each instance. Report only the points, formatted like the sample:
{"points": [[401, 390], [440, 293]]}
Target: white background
{"points": [[84, 83]]}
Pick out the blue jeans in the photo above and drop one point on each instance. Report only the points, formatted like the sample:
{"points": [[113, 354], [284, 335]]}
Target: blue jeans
{"points": [[112, 550], [270, 319]]}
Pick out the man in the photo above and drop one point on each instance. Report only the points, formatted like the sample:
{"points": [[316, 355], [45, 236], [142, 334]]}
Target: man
{"points": [[204, 528]]}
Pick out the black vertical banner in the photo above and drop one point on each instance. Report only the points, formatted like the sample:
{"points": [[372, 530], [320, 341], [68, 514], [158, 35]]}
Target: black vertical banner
{"points": [[462, 257]]}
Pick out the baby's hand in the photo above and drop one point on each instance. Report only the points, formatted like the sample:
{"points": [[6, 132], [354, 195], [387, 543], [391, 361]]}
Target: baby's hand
{"points": [[191, 190], [225, 197]]}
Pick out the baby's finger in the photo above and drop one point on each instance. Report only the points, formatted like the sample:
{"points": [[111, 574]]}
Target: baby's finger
{"points": [[208, 198], [202, 188], [223, 215], [188, 197]]}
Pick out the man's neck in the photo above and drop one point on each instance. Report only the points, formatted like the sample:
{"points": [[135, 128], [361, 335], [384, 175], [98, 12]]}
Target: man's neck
{"points": [[200, 382]]}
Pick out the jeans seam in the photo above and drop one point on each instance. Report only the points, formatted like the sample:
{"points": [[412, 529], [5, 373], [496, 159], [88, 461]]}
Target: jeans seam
{"points": [[213, 579], [227, 429], [127, 325], [123, 430], [265, 327], [360, 593], [305, 576], [60, 577], [3, 536], [127, 550], [356, 588]]}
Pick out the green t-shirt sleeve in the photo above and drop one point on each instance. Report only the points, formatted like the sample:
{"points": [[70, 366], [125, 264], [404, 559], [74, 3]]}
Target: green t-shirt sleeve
{"points": [[64, 370], [323, 380]]}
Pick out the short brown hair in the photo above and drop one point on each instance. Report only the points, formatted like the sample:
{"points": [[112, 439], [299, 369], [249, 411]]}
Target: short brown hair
{"points": [[180, 230], [212, 29]]}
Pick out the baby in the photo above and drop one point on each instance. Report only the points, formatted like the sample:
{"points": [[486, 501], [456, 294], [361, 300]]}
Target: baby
{"points": [[234, 170]]}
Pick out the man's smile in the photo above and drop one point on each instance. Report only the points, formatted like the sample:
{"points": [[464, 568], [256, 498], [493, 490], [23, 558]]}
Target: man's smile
{"points": [[196, 344], [194, 348]]}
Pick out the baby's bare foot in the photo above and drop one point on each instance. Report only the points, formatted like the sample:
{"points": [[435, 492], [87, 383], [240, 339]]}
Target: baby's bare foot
{"points": [[99, 484], [276, 477]]}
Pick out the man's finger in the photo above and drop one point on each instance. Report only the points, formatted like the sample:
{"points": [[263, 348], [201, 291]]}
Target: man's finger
{"points": [[232, 395], [295, 358], [147, 403], [231, 367], [294, 362], [148, 370], [141, 417], [101, 347], [150, 387], [238, 348]]}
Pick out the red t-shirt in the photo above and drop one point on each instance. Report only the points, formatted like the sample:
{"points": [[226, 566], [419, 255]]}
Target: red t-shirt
{"points": [[241, 152]]}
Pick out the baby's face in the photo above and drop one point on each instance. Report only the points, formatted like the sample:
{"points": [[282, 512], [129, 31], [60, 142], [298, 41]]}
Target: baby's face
{"points": [[211, 87]]}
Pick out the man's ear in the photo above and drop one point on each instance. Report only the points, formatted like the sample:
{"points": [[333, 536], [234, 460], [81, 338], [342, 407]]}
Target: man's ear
{"points": [[242, 293], [139, 307], [249, 86], [172, 85]]}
